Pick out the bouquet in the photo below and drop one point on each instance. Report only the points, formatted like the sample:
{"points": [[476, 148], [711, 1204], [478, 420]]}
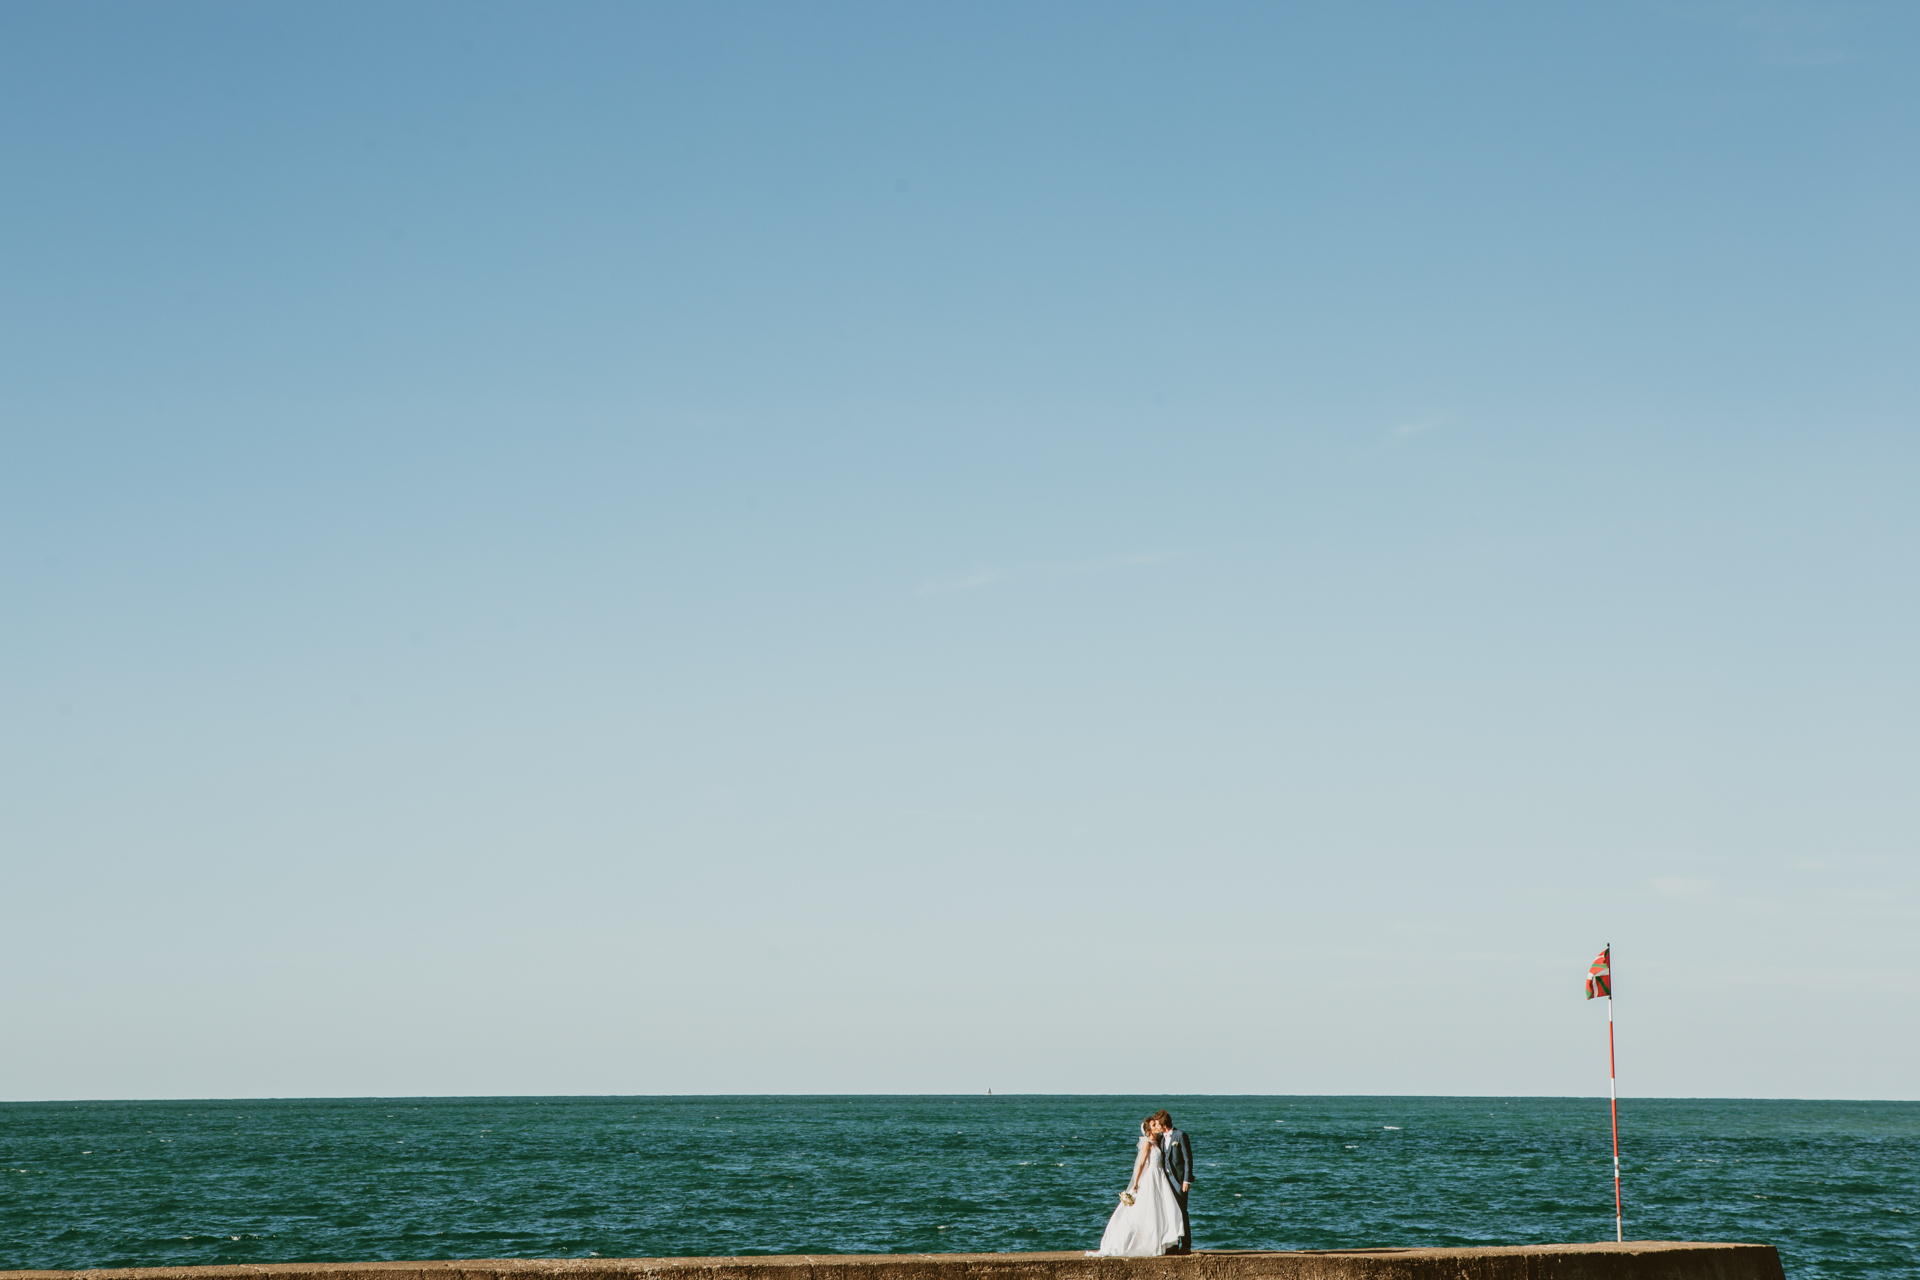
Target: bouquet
{"points": [[1126, 1197]]}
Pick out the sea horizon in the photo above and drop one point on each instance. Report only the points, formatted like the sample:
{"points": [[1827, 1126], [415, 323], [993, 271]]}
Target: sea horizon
{"points": [[994, 1093]]}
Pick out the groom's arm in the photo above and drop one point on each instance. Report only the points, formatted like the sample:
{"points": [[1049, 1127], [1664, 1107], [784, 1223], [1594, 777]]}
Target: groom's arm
{"points": [[1186, 1150]]}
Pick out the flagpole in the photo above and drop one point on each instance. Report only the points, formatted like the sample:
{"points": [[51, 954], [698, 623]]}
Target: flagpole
{"points": [[1613, 1104]]}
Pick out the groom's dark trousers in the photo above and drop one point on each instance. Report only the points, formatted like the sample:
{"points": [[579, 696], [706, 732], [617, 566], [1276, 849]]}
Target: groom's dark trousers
{"points": [[1178, 1162]]}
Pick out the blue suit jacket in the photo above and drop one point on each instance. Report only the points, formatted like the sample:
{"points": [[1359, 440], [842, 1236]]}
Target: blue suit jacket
{"points": [[1178, 1158]]}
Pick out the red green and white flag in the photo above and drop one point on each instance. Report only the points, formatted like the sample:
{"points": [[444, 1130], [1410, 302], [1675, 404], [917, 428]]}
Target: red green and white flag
{"points": [[1600, 976]]}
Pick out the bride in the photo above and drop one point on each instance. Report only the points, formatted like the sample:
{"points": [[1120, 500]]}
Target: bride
{"points": [[1148, 1219]]}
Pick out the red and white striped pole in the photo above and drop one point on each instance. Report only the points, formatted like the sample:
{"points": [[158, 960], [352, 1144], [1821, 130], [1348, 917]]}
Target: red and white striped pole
{"points": [[1613, 1104], [1600, 983]]}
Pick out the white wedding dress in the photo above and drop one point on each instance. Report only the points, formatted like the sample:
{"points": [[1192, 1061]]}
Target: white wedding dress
{"points": [[1151, 1224]]}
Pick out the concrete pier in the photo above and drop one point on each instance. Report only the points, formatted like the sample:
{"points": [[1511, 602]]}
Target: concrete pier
{"points": [[1635, 1260]]}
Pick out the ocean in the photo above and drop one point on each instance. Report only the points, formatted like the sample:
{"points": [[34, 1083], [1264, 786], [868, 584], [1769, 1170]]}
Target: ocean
{"points": [[1834, 1185]]}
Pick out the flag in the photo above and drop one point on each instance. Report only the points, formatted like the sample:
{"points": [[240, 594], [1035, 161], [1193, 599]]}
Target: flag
{"points": [[1600, 976]]}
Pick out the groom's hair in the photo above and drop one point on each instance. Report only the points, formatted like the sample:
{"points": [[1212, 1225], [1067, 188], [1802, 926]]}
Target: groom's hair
{"points": [[1163, 1118]]}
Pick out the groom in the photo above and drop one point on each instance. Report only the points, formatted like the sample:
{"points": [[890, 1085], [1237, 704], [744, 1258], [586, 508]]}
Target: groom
{"points": [[1177, 1159]]}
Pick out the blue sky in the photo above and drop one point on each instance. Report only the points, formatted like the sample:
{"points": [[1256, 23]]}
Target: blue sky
{"points": [[1068, 548]]}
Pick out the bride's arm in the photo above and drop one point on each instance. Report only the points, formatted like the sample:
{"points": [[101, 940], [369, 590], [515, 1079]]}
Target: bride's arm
{"points": [[1140, 1162]]}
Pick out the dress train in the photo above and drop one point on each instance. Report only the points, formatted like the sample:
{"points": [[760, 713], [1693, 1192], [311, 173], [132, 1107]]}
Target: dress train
{"points": [[1151, 1224]]}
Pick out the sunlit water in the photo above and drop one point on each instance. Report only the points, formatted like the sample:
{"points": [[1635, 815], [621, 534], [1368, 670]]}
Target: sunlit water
{"points": [[1835, 1185]]}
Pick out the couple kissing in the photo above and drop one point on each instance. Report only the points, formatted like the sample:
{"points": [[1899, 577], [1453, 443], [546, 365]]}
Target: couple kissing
{"points": [[1152, 1217]]}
